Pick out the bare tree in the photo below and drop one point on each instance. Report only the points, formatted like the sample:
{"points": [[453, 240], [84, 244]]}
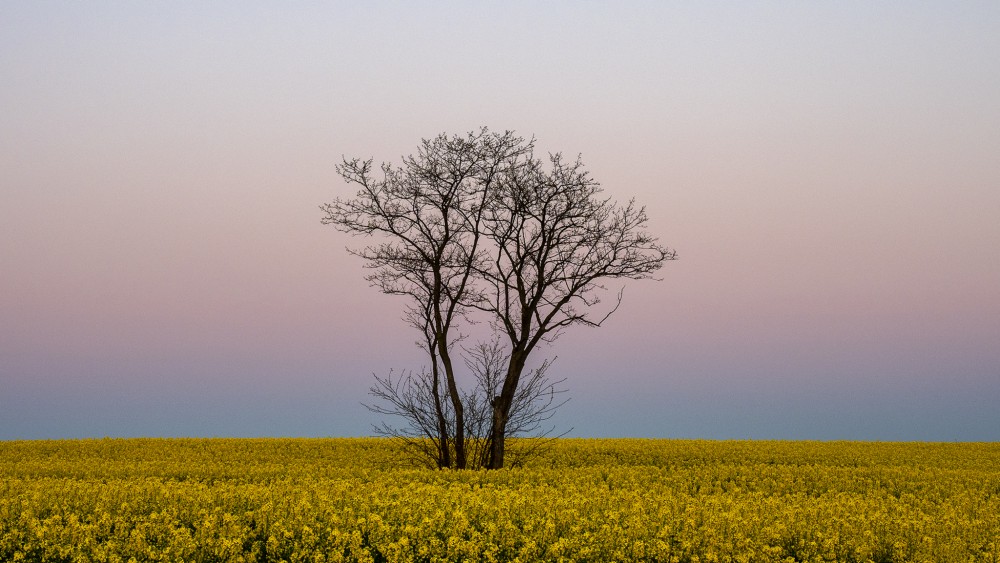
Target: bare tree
{"points": [[478, 227]]}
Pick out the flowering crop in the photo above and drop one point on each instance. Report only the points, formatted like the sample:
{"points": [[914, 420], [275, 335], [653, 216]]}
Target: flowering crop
{"points": [[324, 500]]}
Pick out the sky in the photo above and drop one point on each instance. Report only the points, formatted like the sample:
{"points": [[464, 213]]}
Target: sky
{"points": [[826, 171]]}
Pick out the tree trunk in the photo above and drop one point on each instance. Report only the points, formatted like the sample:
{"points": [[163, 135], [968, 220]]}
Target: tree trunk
{"points": [[497, 432], [501, 409], [444, 450], [456, 401]]}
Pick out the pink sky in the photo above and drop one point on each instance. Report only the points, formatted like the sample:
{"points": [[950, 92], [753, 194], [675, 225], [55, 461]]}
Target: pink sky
{"points": [[827, 172]]}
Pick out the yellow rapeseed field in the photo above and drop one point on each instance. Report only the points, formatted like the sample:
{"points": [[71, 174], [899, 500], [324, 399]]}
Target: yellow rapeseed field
{"points": [[318, 500]]}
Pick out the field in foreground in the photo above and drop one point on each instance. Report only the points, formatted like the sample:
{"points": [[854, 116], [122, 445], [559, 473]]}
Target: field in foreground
{"points": [[582, 500]]}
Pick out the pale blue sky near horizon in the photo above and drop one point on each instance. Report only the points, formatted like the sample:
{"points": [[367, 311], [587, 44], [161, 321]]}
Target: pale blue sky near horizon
{"points": [[827, 172]]}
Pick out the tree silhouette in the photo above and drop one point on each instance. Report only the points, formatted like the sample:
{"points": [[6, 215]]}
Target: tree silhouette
{"points": [[477, 228]]}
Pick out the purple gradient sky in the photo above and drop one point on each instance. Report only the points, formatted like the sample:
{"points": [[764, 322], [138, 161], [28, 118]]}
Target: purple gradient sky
{"points": [[828, 172]]}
